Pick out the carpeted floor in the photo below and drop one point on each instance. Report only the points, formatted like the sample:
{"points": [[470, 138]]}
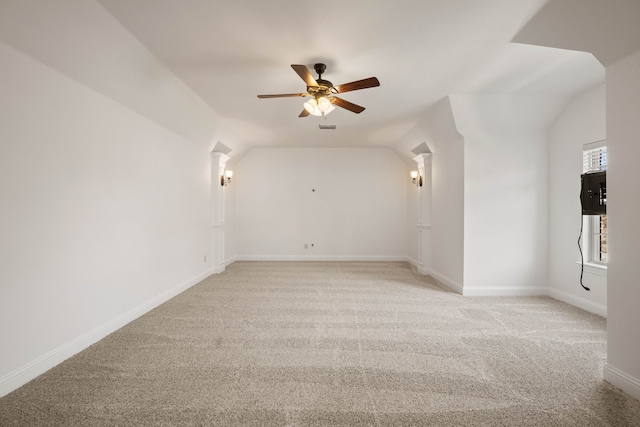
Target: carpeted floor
{"points": [[335, 344]]}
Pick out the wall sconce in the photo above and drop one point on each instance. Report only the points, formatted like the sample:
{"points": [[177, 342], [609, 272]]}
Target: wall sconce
{"points": [[416, 179], [225, 178]]}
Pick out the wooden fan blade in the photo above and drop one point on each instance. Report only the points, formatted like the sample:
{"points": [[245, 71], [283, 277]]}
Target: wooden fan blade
{"points": [[357, 85], [304, 113], [347, 105], [305, 74], [283, 95]]}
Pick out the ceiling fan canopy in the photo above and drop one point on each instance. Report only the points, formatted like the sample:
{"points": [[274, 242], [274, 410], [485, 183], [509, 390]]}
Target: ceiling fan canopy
{"points": [[324, 92]]}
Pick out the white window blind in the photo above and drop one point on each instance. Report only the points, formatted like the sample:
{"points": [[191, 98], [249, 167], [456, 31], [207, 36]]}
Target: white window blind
{"points": [[594, 157]]}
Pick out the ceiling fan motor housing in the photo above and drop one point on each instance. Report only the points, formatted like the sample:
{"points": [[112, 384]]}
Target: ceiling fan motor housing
{"points": [[325, 87]]}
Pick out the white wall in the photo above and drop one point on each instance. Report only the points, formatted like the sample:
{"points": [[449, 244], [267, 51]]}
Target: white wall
{"points": [[104, 215], [104, 182], [357, 211], [442, 196], [447, 214], [505, 201], [623, 206], [505, 194], [582, 122], [609, 30]]}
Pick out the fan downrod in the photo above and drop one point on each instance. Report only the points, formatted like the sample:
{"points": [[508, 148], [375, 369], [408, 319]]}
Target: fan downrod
{"points": [[320, 69], [325, 86]]}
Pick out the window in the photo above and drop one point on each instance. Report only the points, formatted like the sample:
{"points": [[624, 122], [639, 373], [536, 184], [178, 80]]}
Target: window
{"points": [[594, 158]]}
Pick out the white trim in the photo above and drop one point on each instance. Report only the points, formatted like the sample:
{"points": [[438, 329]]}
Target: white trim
{"points": [[413, 262], [579, 302], [422, 157], [42, 364], [217, 269], [320, 258], [223, 158], [622, 380], [594, 145], [597, 269], [449, 283], [506, 291], [221, 267]]}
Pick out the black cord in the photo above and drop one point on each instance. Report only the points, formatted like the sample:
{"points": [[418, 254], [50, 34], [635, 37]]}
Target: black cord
{"points": [[579, 247]]}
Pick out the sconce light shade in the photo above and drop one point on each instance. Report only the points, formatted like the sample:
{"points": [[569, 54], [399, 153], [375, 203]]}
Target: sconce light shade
{"points": [[416, 178], [225, 178]]}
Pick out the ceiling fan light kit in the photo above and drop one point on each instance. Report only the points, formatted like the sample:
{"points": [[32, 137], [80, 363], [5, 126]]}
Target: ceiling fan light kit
{"points": [[319, 107], [323, 92]]}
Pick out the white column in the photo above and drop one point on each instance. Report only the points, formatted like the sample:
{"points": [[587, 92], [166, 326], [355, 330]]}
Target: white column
{"points": [[424, 213], [218, 162]]}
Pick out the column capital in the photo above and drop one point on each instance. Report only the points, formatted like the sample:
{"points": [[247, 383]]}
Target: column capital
{"points": [[220, 156], [422, 158]]}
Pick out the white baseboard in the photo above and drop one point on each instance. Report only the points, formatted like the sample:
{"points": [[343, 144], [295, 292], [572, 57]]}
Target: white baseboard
{"points": [[504, 291], [622, 380], [413, 262], [449, 283], [217, 269], [319, 258], [42, 364], [582, 303]]}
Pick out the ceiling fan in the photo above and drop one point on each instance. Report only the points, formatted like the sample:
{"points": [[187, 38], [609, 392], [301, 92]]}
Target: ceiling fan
{"points": [[324, 92]]}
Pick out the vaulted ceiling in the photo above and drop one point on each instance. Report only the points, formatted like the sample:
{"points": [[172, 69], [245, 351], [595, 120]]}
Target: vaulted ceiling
{"points": [[229, 51]]}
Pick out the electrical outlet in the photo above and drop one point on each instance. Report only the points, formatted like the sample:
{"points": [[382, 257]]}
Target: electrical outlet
{"points": [[306, 246], [205, 258]]}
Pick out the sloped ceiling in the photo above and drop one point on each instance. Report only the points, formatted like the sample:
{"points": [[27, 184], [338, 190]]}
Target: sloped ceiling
{"points": [[609, 29], [229, 51]]}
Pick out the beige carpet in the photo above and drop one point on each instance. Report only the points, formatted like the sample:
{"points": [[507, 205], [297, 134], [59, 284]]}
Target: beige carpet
{"points": [[335, 344]]}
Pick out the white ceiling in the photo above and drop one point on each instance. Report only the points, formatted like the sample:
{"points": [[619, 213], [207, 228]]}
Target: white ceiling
{"points": [[229, 51]]}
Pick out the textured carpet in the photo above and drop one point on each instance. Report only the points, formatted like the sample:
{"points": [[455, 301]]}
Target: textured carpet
{"points": [[335, 344]]}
